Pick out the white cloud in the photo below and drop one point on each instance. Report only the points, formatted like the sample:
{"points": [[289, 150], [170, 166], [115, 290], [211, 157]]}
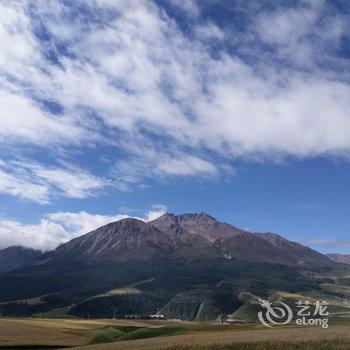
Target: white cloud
{"points": [[302, 35], [60, 227], [36, 182], [153, 164], [74, 183], [46, 235], [155, 212], [241, 111], [189, 6], [18, 186], [23, 82], [209, 31], [133, 79], [82, 222], [186, 166]]}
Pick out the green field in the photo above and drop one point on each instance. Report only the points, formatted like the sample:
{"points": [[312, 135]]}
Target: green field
{"points": [[123, 291], [336, 289]]}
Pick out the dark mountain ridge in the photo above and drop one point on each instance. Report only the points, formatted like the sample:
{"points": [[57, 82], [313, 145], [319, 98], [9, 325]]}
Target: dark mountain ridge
{"points": [[235, 243], [16, 256], [121, 240], [183, 236]]}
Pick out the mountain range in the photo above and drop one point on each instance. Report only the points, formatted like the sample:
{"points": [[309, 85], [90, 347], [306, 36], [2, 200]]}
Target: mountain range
{"points": [[340, 258], [182, 236], [174, 264]]}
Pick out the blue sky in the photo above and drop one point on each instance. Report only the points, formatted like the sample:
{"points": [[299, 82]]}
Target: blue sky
{"points": [[115, 108]]}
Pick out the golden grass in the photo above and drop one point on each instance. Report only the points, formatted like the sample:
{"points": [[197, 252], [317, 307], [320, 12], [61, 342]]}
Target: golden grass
{"points": [[60, 332], [337, 344], [200, 336], [279, 293], [215, 340], [336, 288], [44, 332]]}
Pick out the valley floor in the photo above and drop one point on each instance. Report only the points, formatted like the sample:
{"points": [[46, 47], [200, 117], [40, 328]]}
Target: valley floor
{"points": [[31, 333]]}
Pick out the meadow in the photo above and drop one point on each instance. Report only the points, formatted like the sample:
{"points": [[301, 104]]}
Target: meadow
{"points": [[37, 333]]}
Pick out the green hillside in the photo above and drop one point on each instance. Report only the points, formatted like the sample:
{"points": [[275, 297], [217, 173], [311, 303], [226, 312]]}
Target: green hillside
{"points": [[192, 289]]}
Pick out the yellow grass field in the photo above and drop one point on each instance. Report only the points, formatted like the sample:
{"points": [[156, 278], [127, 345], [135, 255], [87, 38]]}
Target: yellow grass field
{"points": [[219, 338], [31, 333]]}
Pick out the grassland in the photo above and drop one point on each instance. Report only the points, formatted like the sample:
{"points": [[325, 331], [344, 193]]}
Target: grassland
{"points": [[30, 301], [274, 345], [34, 333], [58, 312], [336, 288], [243, 338], [121, 291], [53, 329]]}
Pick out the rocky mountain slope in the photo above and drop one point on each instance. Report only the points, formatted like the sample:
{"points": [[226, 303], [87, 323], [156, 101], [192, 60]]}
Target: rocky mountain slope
{"points": [[200, 224], [234, 243], [17, 256], [340, 258], [183, 236], [127, 239]]}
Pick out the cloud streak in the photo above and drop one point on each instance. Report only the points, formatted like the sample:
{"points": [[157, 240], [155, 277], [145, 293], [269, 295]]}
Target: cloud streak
{"points": [[167, 101], [39, 183]]}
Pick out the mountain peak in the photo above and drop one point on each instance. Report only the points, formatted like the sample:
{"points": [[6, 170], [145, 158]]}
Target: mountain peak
{"points": [[18, 249], [167, 216], [177, 223], [122, 239], [187, 234], [201, 216], [14, 248], [201, 224]]}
